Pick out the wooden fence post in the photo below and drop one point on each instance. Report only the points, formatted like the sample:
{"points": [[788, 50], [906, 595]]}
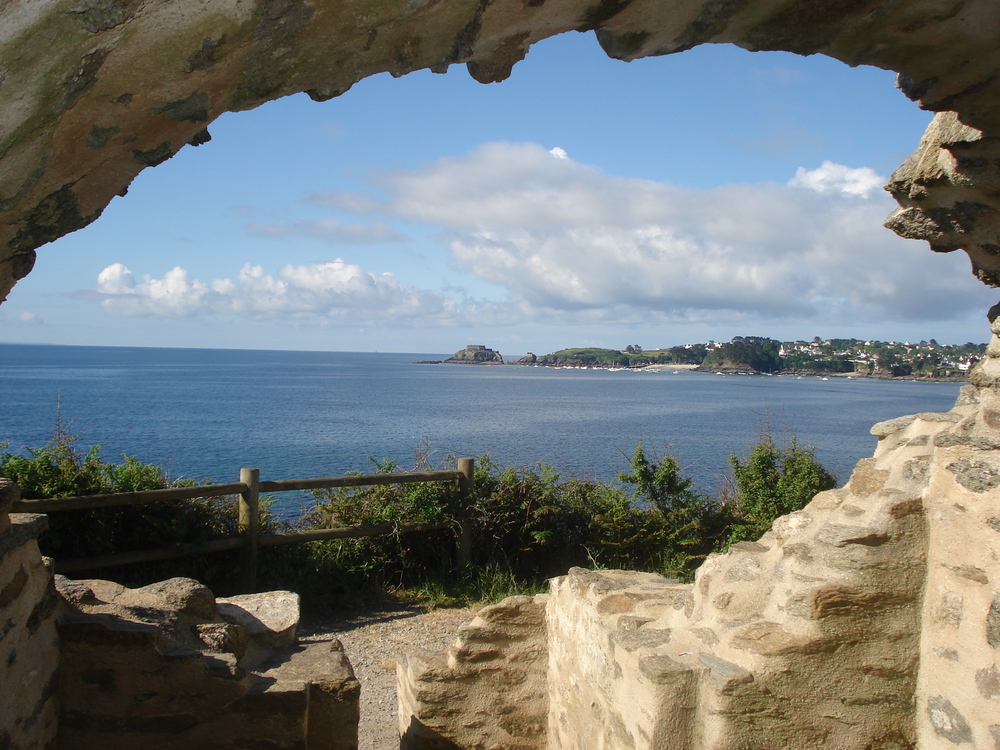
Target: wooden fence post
{"points": [[249, 523], [464, 552]]}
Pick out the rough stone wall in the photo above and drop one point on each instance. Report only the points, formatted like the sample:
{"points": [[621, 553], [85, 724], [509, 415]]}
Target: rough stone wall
{"points": [[869, 619], [168, 667], [93, 92], [958, 698], [28, 646], [600, 658], [488, 692]]}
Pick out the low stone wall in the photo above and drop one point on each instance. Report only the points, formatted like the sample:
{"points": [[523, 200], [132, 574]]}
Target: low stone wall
{"points": [[28, 647], [609, 685], [869, 619], [168, 666], [489, 691]]}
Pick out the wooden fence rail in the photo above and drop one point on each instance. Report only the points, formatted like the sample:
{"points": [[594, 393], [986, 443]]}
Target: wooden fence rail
{"points": [[250, 539]]}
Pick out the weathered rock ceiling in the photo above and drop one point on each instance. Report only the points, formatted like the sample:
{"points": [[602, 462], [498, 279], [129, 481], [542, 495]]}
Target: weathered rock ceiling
{"points": [[94, 91]]}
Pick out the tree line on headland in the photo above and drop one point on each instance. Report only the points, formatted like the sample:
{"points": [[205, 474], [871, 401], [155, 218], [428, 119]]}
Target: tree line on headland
{"points": [[756, 354]]}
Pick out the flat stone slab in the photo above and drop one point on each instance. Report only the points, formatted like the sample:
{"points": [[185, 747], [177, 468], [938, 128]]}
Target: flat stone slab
{"points": [[271, 618]]}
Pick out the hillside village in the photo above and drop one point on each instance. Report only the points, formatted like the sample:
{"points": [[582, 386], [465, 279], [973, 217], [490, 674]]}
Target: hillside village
{"points": [[906, 358], [868, 358]]}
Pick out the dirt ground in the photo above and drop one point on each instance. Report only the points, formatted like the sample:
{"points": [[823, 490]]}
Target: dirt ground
{"points": [[372, 639]]}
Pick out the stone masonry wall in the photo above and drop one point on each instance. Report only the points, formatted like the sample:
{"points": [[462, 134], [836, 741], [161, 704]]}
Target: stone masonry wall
{"points": [[958, 696], [600, 657], [169, 667], [488, 692], [28, 647], [868, 619]]}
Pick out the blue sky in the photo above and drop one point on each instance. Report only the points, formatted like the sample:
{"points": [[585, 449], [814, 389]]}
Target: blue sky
{"points": [[584, 201]]}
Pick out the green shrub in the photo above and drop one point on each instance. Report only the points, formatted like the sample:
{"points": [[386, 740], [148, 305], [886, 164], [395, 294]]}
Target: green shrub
{"points": [[770, 482], [528, 524], [690, 521], [59, 469], [368, 565]]}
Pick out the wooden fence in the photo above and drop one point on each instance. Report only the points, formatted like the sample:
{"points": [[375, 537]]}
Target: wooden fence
{"points": [[249, 489]]}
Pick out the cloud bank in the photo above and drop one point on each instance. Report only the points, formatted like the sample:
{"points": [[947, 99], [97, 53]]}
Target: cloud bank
{"points": [[570, 243], [562, 236], [335, 290]]}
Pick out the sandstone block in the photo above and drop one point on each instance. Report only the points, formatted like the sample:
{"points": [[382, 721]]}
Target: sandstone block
{"points": [[223, 637], [867, 478], [491, 690], [271, 618], [182, 594], [975, 475], [143, 668], [74, 592], [28, 645], [948, 721]]}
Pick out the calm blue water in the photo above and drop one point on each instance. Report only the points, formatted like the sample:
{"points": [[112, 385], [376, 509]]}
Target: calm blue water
{"points": [[206, 413]]}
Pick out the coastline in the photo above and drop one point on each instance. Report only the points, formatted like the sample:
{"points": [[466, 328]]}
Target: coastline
{"points": [[673, 368], [964, 378]]}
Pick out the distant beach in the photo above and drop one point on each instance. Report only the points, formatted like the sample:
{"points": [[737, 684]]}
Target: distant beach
{"points": [[675, 368]]}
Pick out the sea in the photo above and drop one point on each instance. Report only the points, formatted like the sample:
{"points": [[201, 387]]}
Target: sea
{"points": [[205, 413]]}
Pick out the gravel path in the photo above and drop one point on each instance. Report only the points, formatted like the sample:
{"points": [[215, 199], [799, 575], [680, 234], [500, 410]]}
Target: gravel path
{"points": [[372, 639]]}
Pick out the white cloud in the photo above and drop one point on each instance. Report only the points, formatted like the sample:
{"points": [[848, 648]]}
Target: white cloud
{"points": [[559, 153], [573, 245], [836, 178], [30, 319], [335, 289], [176, 294], [562, 236]]}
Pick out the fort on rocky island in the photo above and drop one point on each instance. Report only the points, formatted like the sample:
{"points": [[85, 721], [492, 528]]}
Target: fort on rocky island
{"points": [[475, 354]]}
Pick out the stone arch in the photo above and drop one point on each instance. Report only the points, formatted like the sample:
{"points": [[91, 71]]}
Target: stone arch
{"points": [[94, 91]]}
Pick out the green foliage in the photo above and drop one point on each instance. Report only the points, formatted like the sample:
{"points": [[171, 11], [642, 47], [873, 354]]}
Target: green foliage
{"points": [[59, 469], [585, 357], [772, 481], [806, 361], [528, 524], [689, 520], [749, 352], [380, 563], [538, 525], [688, 355], [759, 354]]}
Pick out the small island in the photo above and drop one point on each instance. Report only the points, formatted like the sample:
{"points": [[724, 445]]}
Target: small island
{"points": [[475, 354]]}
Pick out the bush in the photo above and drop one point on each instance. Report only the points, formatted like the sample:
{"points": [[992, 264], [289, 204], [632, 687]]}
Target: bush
{"points": [[690, 522], [59, 469], [771, 482], [528, 524], [370, 565]]}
